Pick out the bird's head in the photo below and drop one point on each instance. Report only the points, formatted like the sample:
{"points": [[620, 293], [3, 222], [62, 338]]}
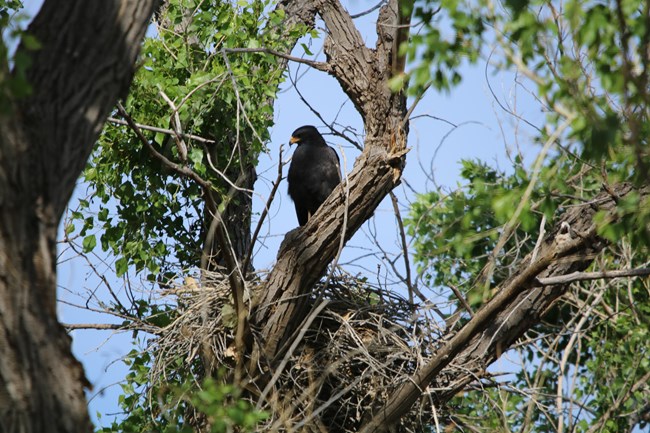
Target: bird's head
{"points": [[307, 134]]}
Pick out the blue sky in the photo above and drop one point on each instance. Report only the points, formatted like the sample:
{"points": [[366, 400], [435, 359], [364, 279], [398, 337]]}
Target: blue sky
{"points": [[483, 130]]}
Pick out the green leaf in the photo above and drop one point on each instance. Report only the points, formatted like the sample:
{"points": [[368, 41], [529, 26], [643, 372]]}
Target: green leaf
{"points": [[121, 266], [306, 49], [89, 243]]}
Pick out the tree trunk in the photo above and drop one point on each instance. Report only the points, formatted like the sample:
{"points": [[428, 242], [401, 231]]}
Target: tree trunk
{"points": [[85, 63]]}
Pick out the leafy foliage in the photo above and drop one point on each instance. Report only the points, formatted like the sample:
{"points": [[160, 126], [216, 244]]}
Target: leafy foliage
{"points": [[150, 217], [455, 233], [590, 65], [173, 407]]}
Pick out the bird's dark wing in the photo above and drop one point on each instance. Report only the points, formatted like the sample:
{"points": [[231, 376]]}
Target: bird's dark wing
{"points": [[335, 160], [313, 174], [299, 178]]}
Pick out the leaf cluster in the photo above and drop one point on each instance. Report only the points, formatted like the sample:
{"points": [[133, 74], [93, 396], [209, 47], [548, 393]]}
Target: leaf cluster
{"points": [[180, 404], [150, 216]]}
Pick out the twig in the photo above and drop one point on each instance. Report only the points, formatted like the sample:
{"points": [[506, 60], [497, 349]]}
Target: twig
{"points": [[405, 253], [462, 299], [176, 121], [265, 212], [538, 244], [180, 169], [161, 130], [585, 276], [112, 326], [294, 344], [294, 82], [321, 66], [371, 10]]}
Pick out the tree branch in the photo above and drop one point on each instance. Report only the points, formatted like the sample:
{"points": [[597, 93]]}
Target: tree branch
{"points": [[586, 276], [161, 130], [321, 66], [85, 63]]}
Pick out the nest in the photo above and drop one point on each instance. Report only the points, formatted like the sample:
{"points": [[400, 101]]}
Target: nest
{"points": [[360, 347]]}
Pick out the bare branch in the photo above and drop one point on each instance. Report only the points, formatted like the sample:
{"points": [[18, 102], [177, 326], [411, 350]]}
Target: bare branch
{"points": [[321, 66], [586, 276], [265, 211], [161, 130]]}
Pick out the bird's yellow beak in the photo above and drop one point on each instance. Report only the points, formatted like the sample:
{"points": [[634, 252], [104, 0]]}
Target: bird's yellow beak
{"points": [[293, 140]]}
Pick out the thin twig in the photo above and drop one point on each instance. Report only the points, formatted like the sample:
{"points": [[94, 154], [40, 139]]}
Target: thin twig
{"points": [[462, 299], [176, 121], [265, 211], [371, 10], [405, 252], [180, 169], [161, 130], [585, 276], [321, 66], [294, 344]]}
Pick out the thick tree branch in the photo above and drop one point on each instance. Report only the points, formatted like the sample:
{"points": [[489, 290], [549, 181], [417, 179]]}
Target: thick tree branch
{"points": [[349, 58]]}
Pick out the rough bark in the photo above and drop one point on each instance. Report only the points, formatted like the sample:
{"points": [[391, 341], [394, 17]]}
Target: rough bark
{"points": [[84, 65]]}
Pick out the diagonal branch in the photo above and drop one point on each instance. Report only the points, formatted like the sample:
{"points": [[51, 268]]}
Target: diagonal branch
{"points": [[519, 304], [306, 251]]}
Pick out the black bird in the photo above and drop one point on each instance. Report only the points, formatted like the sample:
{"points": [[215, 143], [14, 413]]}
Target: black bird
{"points": [[314, 172]]}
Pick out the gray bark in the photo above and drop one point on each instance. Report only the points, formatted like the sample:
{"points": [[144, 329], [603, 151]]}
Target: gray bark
{"points": [[85, 64]]}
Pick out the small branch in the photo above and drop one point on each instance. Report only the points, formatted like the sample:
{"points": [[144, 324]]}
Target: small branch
{"points": [[294, 82], [111, 326], [178, 130], [265, 212], [160, 130], [302, 330], [586, 276], [405, 253], [140, 326], [369, 11], [540, 238], [321, 66], [462, 299]]}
